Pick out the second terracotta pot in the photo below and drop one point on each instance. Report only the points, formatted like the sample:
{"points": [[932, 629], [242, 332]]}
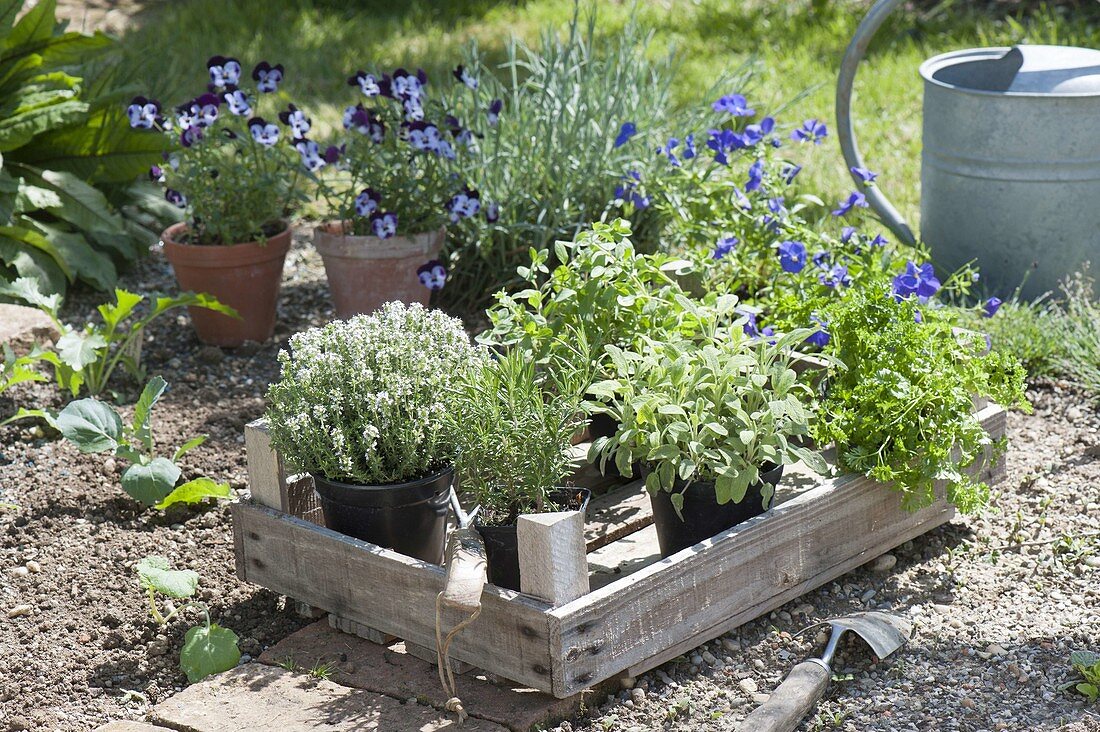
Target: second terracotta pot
{"points": [[244, 276], [365, 272]]}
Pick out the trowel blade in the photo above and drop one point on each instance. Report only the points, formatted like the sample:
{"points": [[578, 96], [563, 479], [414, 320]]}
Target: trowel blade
{"points": [[884, 632]]}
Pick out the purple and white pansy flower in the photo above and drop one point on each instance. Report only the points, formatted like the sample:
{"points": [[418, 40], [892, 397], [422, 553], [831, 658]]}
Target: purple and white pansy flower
{"points": [[224, 71], [156, 174], [365, 122], [367, 83], [404, 85], [366, 203], [191, 135], [383, 224], [311, 155], [427, 137], [237, 102], [267, 77], [464, 204], [492, 213], [201, 111], [432, 274], [143, 113], [175, 198], [297, 121], [463, 74], [264, 132]]}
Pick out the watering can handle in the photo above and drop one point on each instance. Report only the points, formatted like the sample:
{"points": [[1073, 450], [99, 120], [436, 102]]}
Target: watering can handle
{"points": [[856, 49]]}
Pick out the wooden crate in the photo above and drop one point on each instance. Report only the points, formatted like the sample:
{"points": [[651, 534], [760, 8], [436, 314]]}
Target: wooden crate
{"points": [[641, 611]]}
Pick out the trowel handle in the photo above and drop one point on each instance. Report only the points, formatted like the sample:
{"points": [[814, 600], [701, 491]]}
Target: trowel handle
{"points": [[466, 573], [856, 49], [788, 704]]}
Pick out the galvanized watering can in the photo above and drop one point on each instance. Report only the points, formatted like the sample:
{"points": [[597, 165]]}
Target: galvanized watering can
{"points": [[1010, 167]]}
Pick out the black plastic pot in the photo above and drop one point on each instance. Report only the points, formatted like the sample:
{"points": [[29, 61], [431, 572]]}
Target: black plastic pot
{"points": [[502, 542], [410, 518], [703, 516]]}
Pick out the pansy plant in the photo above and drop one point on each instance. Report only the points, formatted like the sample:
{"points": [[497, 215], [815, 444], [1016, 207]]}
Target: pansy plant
{"points": [[239, 156]]}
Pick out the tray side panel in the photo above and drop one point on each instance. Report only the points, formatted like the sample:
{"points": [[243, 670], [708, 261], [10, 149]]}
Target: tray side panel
{"points": [[388, 592], [677, 603]]}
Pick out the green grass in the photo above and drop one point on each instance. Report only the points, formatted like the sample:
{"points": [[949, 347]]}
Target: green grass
{"points": [[796, 50]]}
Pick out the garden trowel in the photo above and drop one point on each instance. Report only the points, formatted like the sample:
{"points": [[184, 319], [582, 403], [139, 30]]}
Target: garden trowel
{"points": [[806, 683]]}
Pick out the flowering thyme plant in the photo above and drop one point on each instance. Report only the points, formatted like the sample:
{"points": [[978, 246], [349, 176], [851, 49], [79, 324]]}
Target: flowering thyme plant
{"points": [[399, 167], [365, 400], [238, 159]]}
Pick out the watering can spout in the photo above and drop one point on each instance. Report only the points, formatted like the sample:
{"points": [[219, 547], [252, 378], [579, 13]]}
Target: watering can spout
{"points": [[852, 56]]}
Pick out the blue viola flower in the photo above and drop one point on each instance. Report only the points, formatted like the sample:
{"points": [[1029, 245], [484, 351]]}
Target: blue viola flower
{"points": [[879, 241], [777, 207], [724, 141], [267, 77], [464, 204], [920, 281], [143, 113], [175, 198], [756, 176], [627, 131], [820, 337], [742, 200], [432, 274], [792, 256], [367, 83], [629, 193], [812, 130], [493, 113], [667, 150], [383, 224], [855, 200], [463, 75], [689, 147], [310, 153], [865, 175], [492, 213], [263, 132], [156, 174], [725, 245], [753, 134], [917, 317], [822, 259], [297, 121], [837, 275], [991, 306], [366, 203], [224, 71], [789, 172], [846, 234], [733, 104], [237, 102], [752, 328]]}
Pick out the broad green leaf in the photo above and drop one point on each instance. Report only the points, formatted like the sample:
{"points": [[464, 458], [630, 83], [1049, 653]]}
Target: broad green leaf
{"points": [[36, 25], [35, 264], [89, 265], [84, 206], [151, 483], [208, 650], [78, 350], [22, 236], [28, 290], [125, 302], [188, 447], [812, 459], [1083, 659], [19, 129], [155, 573], [189, 299], [194, 491], [24, 413], [91, 425], [678, 504], [149, 396]]}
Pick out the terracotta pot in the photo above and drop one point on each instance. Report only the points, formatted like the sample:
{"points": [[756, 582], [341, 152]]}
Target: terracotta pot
{"points": [[243, 276], [364, 272]]}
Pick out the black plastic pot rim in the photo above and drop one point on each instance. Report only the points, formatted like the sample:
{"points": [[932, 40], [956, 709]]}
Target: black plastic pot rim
{"points": [[586, 497], [770, 475], [387, 494]]}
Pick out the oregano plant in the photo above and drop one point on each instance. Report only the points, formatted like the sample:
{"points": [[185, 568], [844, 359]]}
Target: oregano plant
{"points": [[207, 648], [96, 427]]}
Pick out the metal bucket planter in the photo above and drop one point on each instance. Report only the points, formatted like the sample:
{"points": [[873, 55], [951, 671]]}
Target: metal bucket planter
{"points": [[365, 272]]}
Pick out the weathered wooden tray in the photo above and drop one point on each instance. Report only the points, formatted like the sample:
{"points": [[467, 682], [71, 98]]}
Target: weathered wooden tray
{"points": [[641, 610]]}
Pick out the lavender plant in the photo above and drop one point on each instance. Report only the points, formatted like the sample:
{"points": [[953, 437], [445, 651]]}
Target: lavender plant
{"points": [[365, 400], [233, 170]]}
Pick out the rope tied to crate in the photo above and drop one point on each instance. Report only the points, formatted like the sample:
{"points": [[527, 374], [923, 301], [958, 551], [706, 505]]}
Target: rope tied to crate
{"points": [[466, 578]]}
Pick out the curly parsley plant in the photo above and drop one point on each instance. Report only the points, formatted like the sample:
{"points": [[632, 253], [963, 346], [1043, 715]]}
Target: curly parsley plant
{"points": [[363, 401]]}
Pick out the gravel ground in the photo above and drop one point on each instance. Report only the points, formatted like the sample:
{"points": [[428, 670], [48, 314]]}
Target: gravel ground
{"points": [[995, 619]]}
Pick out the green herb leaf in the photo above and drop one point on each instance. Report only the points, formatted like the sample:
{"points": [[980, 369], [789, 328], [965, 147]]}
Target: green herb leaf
{"points": [[149, 396], [91, 425], [194, 491], [208, 650], [155, 573]]}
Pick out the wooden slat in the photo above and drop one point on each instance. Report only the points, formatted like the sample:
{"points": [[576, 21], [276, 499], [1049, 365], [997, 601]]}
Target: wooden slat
{"points": [[698, 593], [266, 472], [390, 592], [614, 515]]}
